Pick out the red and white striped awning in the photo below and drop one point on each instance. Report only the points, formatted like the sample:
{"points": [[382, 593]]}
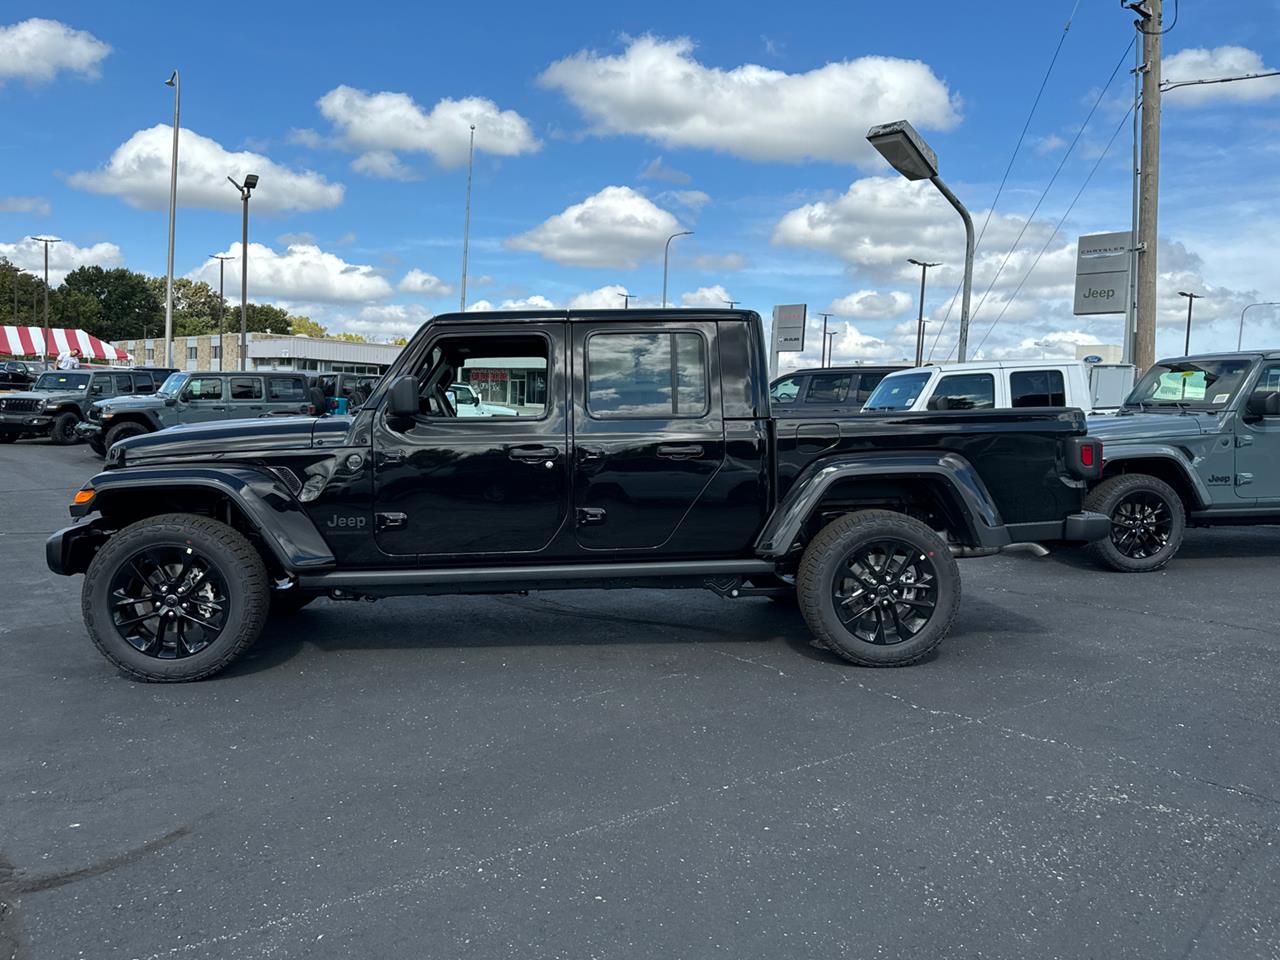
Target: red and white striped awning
{"points": [[30, 342]]}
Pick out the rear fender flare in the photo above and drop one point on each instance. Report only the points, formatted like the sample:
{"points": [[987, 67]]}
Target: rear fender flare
{"points": [[273, 511], [985, 528]]}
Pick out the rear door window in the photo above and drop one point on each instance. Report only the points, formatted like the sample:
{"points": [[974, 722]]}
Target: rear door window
{"points": [[246, 388], [867, 382], [124, 384], [1037, 388], [142, 383], [646, 375], [828, 388], [964, 391]]}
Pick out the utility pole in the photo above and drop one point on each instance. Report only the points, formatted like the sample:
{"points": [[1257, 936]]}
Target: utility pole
{"points": [[466, 224], [825, 317], [924, 270], [222, 304], [1150, 26], [46, 241]]}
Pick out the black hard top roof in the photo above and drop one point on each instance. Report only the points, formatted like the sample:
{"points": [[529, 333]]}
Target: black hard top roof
{"points": [[635, 314]]}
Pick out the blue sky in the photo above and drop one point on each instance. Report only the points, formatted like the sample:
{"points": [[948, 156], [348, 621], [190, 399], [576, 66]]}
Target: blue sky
{"points": [[602, 129]]}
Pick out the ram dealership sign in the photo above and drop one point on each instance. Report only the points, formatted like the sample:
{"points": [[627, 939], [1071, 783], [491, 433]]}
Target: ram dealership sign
{"points": [[1102, 273]]}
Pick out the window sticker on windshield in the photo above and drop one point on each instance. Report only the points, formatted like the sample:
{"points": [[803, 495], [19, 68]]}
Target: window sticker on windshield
{"points": [[1221, 397]]}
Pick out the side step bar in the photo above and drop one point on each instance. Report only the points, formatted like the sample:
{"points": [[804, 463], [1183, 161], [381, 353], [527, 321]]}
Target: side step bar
{"points": [[381, 580]]}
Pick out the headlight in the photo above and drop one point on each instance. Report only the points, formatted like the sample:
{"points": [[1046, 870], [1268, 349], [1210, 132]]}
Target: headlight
{"points": [[44, 405]]}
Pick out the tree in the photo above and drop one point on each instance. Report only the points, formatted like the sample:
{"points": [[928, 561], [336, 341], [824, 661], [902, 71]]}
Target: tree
{"points": [[306, 327], [127, 304], [398, 341], [349, 337], [29, 291]]}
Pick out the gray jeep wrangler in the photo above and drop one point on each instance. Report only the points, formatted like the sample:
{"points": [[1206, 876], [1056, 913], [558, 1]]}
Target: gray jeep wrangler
{"points": [[1197, 442], [60, 399]]}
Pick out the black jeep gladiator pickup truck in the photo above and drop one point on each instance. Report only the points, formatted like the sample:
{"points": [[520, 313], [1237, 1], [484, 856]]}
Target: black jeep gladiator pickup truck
{"points": [[638, 451]]}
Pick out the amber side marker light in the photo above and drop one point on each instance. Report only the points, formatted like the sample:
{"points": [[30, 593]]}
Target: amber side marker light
{"points": [[84, 496]]}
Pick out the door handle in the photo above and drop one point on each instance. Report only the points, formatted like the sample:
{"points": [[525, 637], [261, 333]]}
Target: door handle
{"points": [[680, 451], [218, 407], [532, 454], [586, 454]]}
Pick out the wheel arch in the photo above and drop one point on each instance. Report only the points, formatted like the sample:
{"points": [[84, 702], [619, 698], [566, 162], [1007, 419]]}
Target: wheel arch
{"points": [[1163, 463], [943, 485]]}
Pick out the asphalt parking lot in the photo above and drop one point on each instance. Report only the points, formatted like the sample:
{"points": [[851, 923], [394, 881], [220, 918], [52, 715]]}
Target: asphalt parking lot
{"points": [[1089, 768]]}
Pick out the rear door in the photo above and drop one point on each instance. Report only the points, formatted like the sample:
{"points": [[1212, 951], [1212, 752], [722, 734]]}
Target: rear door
{"points": [[288, 395], [1258, 445], [648, 429], [244, 397]]}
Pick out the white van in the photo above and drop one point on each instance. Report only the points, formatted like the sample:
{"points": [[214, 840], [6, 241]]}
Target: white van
{"points": [[985, 385]]}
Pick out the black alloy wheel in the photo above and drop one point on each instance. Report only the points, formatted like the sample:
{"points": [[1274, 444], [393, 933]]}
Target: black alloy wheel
{"points": [[1141, 525], [169, 602], [885, 592], [63, 429]]}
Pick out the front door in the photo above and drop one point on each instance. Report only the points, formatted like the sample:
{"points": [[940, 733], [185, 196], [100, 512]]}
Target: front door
{"points": [[468, 486], [648, 429], [1258, 450], [203, 398]]}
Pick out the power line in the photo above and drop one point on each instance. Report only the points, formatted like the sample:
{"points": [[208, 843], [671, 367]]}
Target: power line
{"points": [[1056, 228], [1053, 179], [1174, 85], [1016, 148]]}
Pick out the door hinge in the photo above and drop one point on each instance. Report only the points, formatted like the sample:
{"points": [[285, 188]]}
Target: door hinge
{"points": [[392, 521], [1244, 440], [1244, 479], [588, 515]]}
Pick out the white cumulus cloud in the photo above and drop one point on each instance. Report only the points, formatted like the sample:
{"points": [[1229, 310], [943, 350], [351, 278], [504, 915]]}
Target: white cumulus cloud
{"points": [[656, 88], [1200, 63], [382, 321], [138, 173], [303, 273], [603, 298], [617, 227], [426, 284], [380, 124], [871, 305], [36, 50], [37, 205], [707, 297], [27, 254]]}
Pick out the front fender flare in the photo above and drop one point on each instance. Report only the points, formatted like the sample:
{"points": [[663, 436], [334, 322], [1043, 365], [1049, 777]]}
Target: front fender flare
{"points": [[978, 509], [274, 512], [1159, 451]]}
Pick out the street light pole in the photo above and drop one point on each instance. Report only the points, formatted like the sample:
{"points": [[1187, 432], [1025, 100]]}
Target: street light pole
{"points": [[466, 225], [825, 317], [222, 303], [924, 270], [666, 254], [908, 153], [1191, 300], [250, 181], [46, 241], [1261, 303], [176, 82]]}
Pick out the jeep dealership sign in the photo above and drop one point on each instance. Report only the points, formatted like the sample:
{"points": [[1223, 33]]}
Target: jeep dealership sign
{"points": [[1102, 273]]}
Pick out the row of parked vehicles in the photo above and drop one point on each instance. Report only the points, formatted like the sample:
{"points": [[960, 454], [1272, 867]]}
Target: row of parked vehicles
{"points": [[649, 453]]}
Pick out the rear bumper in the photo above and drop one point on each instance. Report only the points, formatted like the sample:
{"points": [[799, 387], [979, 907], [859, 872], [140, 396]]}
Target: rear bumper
{"points": [[1083, 527]]}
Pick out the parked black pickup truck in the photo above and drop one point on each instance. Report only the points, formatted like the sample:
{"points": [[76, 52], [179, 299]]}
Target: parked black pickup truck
{"points": [[640, 452]]}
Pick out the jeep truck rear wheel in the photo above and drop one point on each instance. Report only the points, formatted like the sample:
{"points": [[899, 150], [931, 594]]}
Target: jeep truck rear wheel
{"points": [[1147, 522], [175, 597], [878, 588]]}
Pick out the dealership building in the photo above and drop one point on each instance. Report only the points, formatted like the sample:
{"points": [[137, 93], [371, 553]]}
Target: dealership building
{"points": [[267, 351]]}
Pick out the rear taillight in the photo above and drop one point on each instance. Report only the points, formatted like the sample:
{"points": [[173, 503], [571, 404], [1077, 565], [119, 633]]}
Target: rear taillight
{"points": [[1087, 455]]}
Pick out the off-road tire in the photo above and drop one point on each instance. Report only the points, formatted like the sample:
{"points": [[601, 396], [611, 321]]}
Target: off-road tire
{"points": [[97, 446], [62, 432], [832, 548], [1108, 496], [239, 564], [121, 431]]}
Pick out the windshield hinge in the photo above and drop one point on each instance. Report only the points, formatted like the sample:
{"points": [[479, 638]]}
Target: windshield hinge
{"points": [[1244, 440]]}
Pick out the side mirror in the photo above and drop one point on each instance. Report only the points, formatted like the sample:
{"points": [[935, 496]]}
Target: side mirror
{"points": [[402, 398], [1263, 404]]}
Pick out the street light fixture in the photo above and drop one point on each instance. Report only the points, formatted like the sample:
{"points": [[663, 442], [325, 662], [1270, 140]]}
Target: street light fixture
{"points": [[920, 321], [222, 303], [626, 300], [176, 82], [250, 181], [1261, 303], [731, 303], [1191, 300], [46, 241], [666, 254], [907, 153]]}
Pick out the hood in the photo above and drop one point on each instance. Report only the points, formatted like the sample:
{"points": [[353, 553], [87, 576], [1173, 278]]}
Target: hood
{"points": [[230, 439], [1148, 426], [54, 395], [135, 401]]}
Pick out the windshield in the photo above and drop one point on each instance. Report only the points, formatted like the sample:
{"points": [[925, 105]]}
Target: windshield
{"points": [[62, 381], [172, 384], [1199, 384], [898, 391]]}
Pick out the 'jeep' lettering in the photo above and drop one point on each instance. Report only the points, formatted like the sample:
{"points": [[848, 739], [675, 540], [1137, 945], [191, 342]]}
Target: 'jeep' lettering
{"points": [[1096, 293], [351, 523]]}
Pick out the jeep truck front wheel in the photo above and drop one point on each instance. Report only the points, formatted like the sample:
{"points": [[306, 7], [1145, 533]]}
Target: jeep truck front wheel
{"points": [[175, 597], [1147, 522], [878, 588]]}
